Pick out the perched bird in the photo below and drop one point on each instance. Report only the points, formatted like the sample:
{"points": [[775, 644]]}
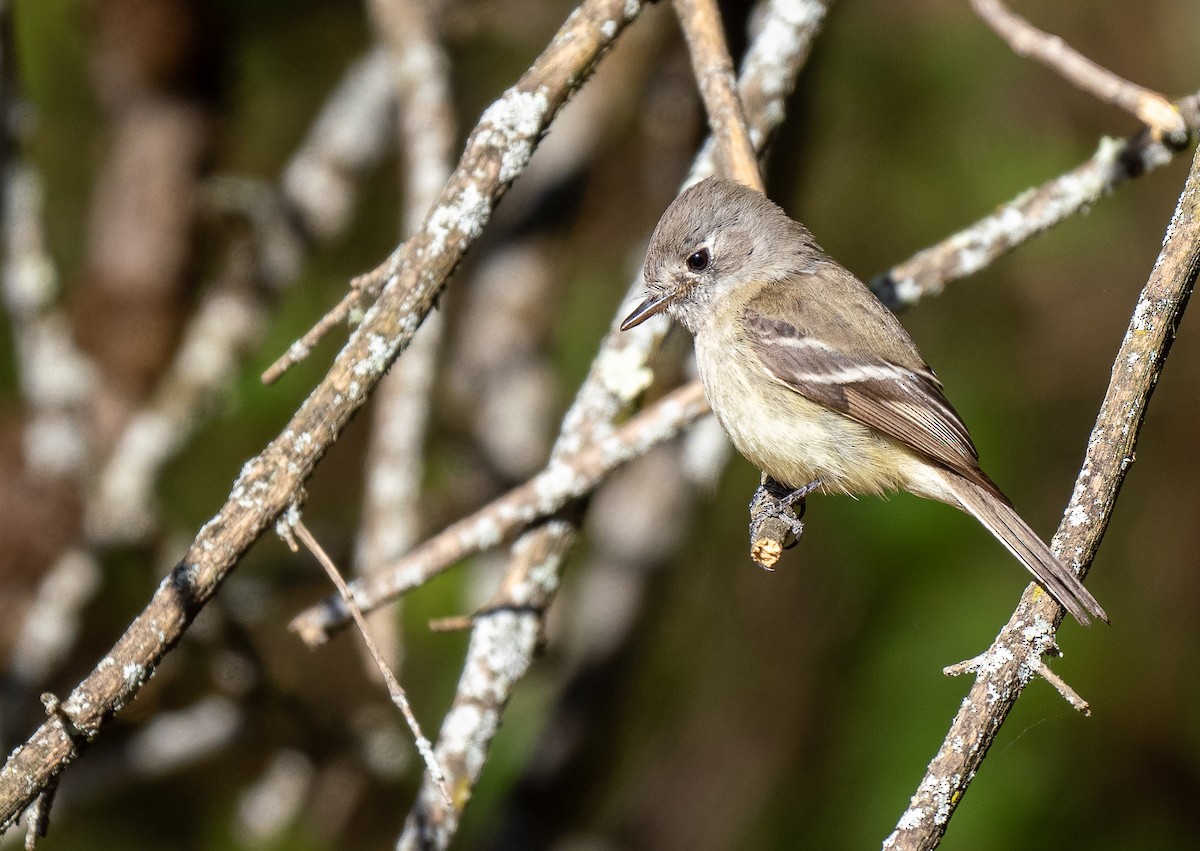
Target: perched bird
{"points": [[813, 378]]}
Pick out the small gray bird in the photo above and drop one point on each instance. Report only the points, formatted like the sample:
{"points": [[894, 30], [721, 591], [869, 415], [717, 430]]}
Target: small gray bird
{"points": [[814, 380]]}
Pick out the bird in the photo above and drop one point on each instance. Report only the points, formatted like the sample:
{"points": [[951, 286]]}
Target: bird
{"points": [[814, 380]]}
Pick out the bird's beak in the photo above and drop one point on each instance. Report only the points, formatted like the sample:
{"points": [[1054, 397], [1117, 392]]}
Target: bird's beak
{"points": [[652, 305]]}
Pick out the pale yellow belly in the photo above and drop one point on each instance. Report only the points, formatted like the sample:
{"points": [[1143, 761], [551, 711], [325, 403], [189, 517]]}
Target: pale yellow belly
{"points": [[797, 441]]}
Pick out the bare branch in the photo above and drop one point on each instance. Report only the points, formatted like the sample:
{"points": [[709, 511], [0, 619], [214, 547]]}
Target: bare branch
{"points": [[1151, 108], [713, 68], [487, 679], [300, 349], [293, 525], [1024, 217], [1017, 652]]}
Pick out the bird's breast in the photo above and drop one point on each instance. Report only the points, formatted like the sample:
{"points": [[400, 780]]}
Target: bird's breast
{"points": [[786, 435]]}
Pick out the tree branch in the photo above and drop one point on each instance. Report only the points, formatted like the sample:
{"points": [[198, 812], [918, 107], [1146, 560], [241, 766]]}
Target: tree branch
{"points": [[1151, 108], [713, 69], [395, 462], [567, 478], [1016, 655], [1029, 214]]}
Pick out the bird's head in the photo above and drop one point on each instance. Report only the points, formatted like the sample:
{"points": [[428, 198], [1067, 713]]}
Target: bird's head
{"points": [[714, 239]]}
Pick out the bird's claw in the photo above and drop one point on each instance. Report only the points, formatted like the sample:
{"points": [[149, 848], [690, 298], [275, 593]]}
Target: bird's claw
{"points": [[776, 519]]}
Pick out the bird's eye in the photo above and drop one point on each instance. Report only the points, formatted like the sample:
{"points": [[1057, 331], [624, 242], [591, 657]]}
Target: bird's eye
{"points": [[699, 260]]}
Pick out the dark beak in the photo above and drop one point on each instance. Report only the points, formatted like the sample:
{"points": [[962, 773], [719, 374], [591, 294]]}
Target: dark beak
{"points": [[652, 305]]}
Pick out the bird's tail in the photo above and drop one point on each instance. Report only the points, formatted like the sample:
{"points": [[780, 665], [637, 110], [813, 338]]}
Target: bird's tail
{"points": [[996, 514]]}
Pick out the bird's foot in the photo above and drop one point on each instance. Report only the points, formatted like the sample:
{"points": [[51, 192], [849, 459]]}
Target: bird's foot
{"points": [[776, 519]]}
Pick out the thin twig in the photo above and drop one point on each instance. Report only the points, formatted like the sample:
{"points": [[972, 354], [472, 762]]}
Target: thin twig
{"points": [[987, 661], [1150, 107], [1029, 634], [496, 152], [1063, 688], [352, 132], [301, 349], [395, 690]]}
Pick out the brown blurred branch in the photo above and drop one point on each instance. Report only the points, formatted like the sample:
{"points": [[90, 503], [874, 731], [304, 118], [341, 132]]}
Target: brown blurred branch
{"points": [[1015, 657], [156, 69], [1150, 107], [55, 376], [1029, 214], [496, 152]]}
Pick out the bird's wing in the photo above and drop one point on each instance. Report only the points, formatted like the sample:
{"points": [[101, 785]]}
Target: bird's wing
{"points": [[905, 403]]}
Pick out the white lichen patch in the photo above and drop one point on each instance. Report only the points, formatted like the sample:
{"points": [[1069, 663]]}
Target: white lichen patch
{"points": [[298, 351], [302, 443], [487, 533], [802, 14], [1144, 316], [992, 661], [460, 220], [785, 32], [133, 674], [376, 360], [623, 372], [911, 818], [909, 292], [502, 646], [554, 484], [512, 124], [459, 728]]}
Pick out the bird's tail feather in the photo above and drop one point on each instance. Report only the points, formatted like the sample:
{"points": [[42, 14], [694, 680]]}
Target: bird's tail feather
{"points": [[1002, 520]]}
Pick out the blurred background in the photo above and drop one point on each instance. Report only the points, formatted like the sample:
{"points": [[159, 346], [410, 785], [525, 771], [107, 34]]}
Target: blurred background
{"points": [[685, 699]]}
